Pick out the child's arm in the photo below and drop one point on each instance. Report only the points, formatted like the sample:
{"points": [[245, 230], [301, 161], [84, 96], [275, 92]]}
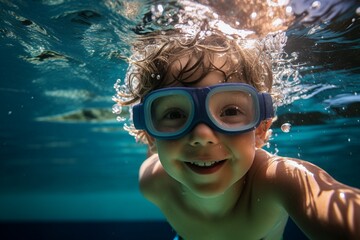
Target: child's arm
{"points": [[322, 207]]}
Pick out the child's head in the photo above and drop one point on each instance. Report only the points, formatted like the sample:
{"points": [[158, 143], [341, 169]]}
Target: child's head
{"points": [[175, 59]]}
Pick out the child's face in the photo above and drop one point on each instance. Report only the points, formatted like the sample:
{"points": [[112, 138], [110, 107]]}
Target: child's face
{"points": [[233, 154]]}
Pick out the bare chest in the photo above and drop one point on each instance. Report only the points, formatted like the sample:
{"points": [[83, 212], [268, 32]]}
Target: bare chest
{"points": [[241, 224]]}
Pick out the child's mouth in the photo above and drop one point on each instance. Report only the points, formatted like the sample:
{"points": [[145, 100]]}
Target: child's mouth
{"points": [[205, 167]]}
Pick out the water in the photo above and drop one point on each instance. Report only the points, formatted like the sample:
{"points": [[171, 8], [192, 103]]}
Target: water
{"points": [[65, 158]]}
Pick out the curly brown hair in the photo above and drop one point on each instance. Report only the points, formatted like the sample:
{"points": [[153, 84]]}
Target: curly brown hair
{"points": [[171, 58]]}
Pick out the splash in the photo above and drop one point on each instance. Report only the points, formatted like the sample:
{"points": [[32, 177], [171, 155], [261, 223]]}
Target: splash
{"points": [[258, 17]]}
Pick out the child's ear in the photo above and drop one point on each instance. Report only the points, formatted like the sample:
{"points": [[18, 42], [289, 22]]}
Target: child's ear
{"points": [[263, 133], [151, 144]]}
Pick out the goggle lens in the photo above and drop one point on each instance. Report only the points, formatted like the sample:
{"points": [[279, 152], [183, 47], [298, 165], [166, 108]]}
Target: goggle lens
{"points": [[232, 110], [171, 113]]}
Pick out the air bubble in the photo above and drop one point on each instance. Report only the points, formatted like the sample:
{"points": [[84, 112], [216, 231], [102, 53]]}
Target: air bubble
{"points": [[120, 119], [288, 10], [157, 11], [316, 5], [160, 8], [114, 98], [283, 2], [286, 127], [277, 22], [276, 151], [116, 109], [358, 11], [253, 15]]}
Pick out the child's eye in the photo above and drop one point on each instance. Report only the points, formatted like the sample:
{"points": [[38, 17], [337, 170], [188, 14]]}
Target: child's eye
{"points": [[174, 114], [170, 120], [231, 111]]}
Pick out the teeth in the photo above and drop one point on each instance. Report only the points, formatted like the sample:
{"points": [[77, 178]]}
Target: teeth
{"points": [[204, 164]]}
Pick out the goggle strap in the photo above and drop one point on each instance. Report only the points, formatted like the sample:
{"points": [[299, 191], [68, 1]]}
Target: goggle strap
{"points": [[138, 116], [268, 106]]}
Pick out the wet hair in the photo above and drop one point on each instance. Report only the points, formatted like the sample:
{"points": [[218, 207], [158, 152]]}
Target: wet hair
{"points": [[173, 58]]}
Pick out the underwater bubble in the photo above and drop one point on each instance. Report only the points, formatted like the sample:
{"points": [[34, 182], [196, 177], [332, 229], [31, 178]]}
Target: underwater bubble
{"points": [[114, 98], [117, 85], [120, 119], [160, 8], [10, 112], [316, 4], [158, 77], [286, 127], [358, 11], [289, 10], [294, 55], [157, 11], [253, 15], [277, 22], [284, 2], [116, 109], [276, 151]]}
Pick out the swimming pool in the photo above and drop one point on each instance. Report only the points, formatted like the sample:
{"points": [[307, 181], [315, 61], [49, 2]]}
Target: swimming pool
{"points": [[67, 163]]}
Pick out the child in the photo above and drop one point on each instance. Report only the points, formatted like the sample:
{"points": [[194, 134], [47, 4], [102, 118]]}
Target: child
{"points": [[205, 112]]}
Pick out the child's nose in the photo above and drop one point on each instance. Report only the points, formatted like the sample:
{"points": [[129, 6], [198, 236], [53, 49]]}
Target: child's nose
{"points": [[202, 135]]}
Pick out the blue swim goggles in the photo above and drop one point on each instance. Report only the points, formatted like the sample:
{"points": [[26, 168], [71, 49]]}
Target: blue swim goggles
{"points": [[229, 108]]}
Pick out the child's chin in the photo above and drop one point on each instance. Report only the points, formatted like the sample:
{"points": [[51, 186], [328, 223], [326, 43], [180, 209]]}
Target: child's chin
{"points": [[208, 192]]}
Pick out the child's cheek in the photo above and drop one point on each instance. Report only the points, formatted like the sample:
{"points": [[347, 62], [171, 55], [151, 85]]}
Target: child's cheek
{"points": [[169, 149]]}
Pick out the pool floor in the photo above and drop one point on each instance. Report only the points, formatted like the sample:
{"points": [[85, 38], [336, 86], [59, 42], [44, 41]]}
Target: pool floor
{"points": [[135, 230]]}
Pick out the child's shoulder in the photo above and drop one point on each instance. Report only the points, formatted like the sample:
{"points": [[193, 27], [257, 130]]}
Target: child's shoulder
{"points": [[153, 179], [272, 164], [273, 168], [275, 177], [276, 174]]}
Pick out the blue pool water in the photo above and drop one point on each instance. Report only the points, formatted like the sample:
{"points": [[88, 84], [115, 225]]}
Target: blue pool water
{"points": [[67, 168]]}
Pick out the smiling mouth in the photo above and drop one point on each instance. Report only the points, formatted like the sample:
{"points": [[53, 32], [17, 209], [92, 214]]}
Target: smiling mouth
{"points": [[205, 167], [205, 164]]}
